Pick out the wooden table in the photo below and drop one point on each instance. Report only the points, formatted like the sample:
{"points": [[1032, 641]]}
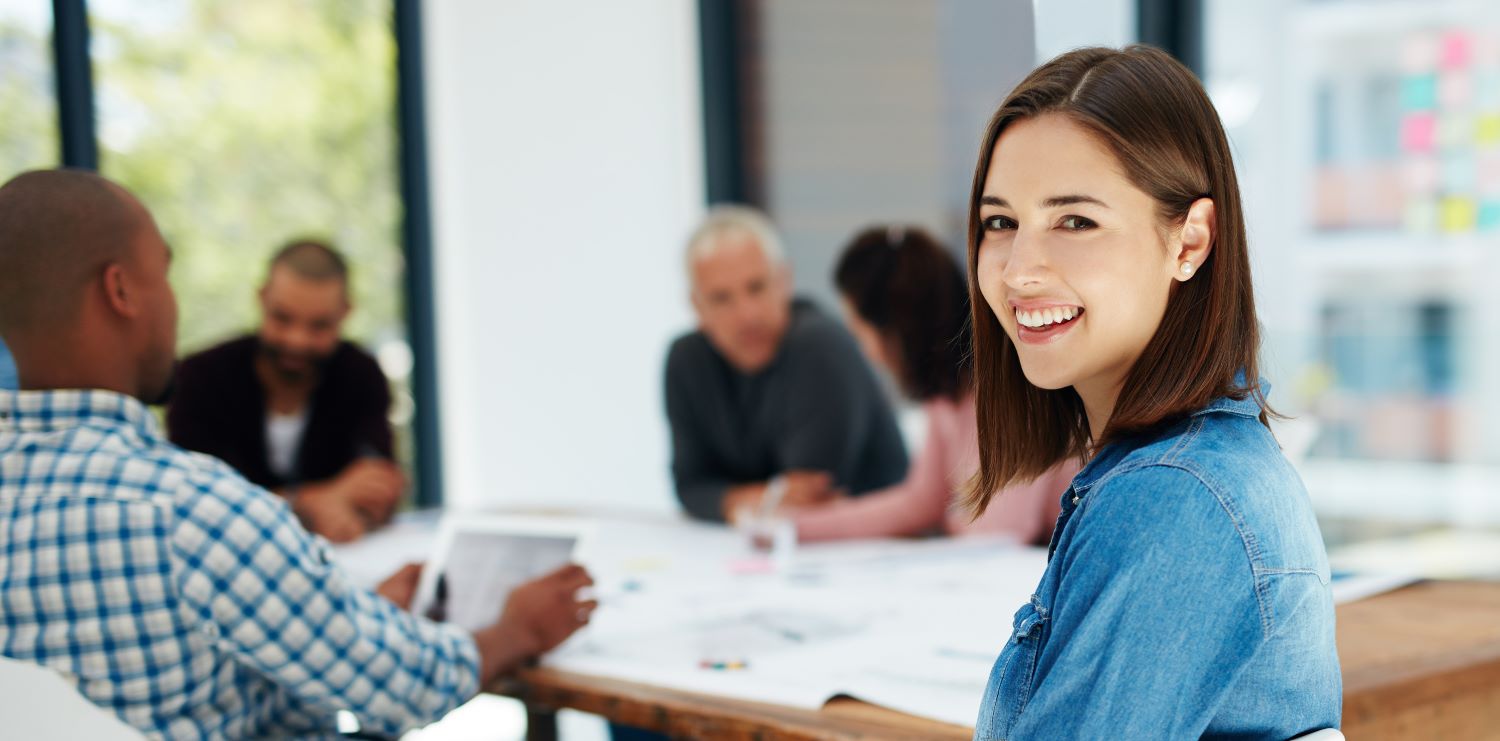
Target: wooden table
{"points": [[691, 716], [1422, 662]]}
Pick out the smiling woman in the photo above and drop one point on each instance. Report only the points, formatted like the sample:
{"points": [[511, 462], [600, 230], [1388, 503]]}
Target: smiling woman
{"points": [[1104, 255], [1187, 591], [1107, 193]]}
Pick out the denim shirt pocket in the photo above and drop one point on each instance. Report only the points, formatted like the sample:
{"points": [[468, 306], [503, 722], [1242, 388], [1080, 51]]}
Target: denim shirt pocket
{"points": [[1011, 679]]}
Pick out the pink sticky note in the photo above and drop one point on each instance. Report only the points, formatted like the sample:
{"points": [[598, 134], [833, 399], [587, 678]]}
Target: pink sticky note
{"points": [[757, 565], [1418, 130], [1454, 50]]}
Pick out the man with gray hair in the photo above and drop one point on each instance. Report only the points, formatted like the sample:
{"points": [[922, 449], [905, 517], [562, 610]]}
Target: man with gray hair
{"points": [[768, 396]]}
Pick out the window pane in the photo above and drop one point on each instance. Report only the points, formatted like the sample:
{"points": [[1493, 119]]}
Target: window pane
{"points": [[28, 101], [1367, 136], [246, 125]]}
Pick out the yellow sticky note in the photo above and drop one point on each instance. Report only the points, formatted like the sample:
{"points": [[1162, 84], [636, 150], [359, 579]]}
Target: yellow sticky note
{"points": [[1458, 214], [1488, 129]]}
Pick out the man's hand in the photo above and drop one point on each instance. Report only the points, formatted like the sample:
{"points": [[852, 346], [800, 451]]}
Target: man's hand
{"points": [[539, 615], [803, 489], [807, 488], [740, 500], [361, 498], [328, 514], [401, 586], [373, 486]]}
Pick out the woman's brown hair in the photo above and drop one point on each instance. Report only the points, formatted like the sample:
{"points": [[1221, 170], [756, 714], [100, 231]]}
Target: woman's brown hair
{"points": [[1153, 115], [911, 290]]}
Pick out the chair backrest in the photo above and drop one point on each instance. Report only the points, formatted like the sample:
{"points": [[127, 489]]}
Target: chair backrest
{"points": [[1327, 734], [40, 705]]}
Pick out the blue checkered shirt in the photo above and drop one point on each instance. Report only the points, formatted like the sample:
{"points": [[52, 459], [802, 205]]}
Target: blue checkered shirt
{"points": [[187, 600]]}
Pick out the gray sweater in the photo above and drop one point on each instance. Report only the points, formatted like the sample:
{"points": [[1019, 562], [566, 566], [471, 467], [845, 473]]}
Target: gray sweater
{"points": [[817, 406]]}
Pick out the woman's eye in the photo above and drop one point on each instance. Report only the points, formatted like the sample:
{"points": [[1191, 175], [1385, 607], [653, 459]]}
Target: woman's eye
{"points": [[999, 223], [1076, 223]]}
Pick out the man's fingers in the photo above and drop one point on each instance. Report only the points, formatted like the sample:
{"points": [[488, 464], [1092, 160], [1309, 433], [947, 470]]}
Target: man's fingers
{"points": [[570, 574], [810, 497], [812, 479], [583, 612], [381, 476]]}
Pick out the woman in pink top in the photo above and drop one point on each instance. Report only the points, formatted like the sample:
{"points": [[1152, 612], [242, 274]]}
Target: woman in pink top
{"points": [[905, 300]]}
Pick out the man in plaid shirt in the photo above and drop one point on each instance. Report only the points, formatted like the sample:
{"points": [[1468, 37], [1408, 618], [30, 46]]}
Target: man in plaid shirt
{"points": [[162, 584]]}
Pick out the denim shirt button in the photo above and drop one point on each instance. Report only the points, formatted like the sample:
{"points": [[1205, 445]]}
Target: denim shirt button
{"points": [[1075, 499]]}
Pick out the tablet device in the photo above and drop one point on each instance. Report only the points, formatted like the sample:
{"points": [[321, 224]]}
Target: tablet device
{"points": [[478, 559]]}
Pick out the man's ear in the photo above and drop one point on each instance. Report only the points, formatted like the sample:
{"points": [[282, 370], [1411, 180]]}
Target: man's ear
{"points": [[785, 277], [119, 294], [698, 307]]}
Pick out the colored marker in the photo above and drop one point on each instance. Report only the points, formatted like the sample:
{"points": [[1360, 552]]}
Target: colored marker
{"points": [[724, 666]]}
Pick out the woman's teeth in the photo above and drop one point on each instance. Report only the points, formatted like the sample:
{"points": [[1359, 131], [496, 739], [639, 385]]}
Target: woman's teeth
{"points": [[1043, 317]]}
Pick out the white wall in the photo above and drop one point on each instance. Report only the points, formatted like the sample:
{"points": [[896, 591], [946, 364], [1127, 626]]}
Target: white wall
{"points": [[873, 114], [1064, 25], [566, 163]]}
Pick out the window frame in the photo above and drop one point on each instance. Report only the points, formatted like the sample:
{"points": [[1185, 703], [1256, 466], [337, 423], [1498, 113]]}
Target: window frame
{"points": [[78, 129]]}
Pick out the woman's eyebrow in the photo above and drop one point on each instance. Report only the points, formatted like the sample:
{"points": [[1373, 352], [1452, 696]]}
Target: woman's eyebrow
{"points": [[1053, 202], [1071, 200]]}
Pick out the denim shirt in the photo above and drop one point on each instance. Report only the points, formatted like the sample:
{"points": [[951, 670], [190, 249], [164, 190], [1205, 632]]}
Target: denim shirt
{"points": [[1186, 595]]}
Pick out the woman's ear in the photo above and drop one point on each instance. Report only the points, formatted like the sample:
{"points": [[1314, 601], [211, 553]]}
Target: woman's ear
{"points": [[1196, 238]]}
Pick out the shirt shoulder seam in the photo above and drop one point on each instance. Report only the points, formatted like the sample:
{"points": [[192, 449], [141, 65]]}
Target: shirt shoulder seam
{"points": [[1247, 539]]}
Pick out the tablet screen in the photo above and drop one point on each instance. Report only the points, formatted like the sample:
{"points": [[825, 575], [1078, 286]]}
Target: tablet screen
{"points": [[479, 561]]}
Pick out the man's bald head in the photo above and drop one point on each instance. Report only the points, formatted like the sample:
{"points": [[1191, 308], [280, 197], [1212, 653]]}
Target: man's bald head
{"points": [[58, 230], [85, 300]]}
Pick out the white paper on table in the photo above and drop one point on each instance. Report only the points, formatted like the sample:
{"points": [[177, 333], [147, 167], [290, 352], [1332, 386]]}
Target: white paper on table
{"points": [[936, 682], [1438, 554], [848, 619], [1350, 587], [375, 557]]}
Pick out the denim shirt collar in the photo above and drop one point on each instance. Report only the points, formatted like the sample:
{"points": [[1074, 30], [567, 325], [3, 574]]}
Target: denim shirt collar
{"points": [[1106, 459], [1246, 407]]}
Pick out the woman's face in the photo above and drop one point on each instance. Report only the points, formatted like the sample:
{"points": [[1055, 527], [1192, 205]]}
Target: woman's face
{"points": [[1071, 258]]}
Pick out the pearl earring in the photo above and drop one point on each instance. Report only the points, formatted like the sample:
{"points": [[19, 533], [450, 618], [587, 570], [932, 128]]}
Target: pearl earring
{"points": [[1187, 269]]}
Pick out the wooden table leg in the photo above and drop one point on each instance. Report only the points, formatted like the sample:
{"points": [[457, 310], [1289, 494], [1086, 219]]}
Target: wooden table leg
{"points": [[541, 725]]}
